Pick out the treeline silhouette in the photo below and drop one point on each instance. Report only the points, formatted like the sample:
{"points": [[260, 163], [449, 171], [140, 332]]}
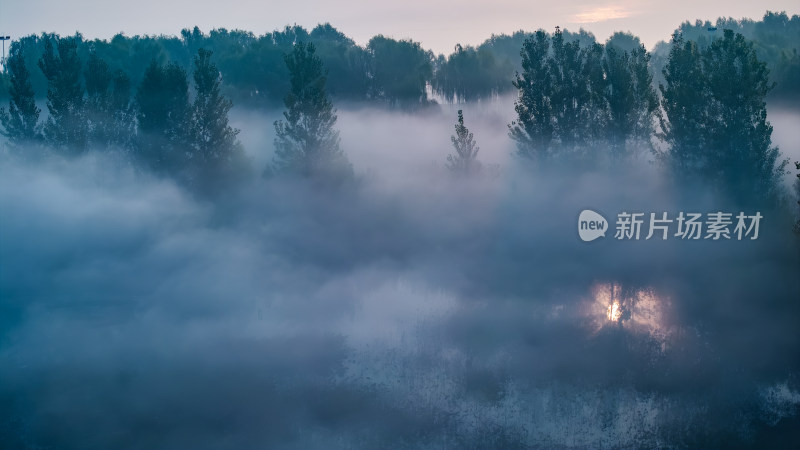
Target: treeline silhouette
{"points": [[90, 106], [579, 102], [776, 39], [391, 71]]}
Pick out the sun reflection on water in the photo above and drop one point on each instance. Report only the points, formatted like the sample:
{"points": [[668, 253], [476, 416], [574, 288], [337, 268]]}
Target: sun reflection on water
{"points": [[614, 311], [636, 309]]}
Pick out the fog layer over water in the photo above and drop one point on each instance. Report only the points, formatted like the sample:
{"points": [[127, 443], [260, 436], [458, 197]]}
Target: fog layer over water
{"points": [[413, 311]]}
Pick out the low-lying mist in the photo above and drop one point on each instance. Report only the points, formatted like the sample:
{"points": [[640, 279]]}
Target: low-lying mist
{"points": [[416, 310]]}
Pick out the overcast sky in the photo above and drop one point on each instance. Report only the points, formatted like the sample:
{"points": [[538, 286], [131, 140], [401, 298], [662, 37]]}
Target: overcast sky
{"points": [[438, 24]]}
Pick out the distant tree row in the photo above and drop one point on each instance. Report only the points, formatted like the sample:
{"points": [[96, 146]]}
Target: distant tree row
{"points": [[578, 103], [391, 71], [90, 105], [593, 104], [163, 124], [253, 69], [775, 38], [485, 71]]}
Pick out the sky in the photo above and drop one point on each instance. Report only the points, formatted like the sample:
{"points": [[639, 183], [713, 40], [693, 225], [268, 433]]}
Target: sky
{"points": [[437, 24]]}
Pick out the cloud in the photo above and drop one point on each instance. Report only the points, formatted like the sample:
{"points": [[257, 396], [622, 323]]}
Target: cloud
{"points": [[601, 14]]}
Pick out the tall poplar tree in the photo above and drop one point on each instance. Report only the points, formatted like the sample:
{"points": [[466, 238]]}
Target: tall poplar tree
{"points": [[20, 122], [213, 139], [163, 116], [715, 122], [66, 126], [307, 142], [464, 161]]}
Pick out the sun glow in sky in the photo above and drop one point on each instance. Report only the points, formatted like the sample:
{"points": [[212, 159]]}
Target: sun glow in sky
{"points": [[601, 14], [438, 24]]}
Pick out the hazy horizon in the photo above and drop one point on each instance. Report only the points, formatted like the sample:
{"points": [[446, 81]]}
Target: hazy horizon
{"points": [[437, 25]]}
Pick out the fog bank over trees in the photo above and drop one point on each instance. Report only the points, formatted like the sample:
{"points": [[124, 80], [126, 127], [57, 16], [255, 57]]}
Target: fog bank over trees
{"points": [[291, 241]]}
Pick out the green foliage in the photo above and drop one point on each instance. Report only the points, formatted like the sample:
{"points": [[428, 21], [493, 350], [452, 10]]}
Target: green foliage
{"points": [[395, 72], [488, 69], [399, 71], [31, 48], [631, 101], [716, 119], [20, 123], [465, 161], [576, 100], [684, 99], [346, 63], [505, 48], [163, 116], [306, 142], [797, 194], [569, 94], [122, 132], [534, 129], [597, 81], [576, 97], [775, 38], [624, 42], [66, 126], [645, 100], [109, 111], [743, 157], [252, 67], [213, 140], [471, 74]]}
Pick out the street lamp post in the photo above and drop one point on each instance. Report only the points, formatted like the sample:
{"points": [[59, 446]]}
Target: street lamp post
{"points": [[3, 55]]}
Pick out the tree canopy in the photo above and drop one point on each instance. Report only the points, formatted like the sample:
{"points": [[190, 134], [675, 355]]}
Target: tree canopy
{"points": [[307, 142], [715, 122]]}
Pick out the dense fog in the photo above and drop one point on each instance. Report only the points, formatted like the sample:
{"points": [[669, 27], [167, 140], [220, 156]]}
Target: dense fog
{"points": [[412, 310]]}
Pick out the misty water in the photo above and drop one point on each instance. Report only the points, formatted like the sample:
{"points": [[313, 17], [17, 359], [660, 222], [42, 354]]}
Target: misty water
{"points": [[415, 310]]}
